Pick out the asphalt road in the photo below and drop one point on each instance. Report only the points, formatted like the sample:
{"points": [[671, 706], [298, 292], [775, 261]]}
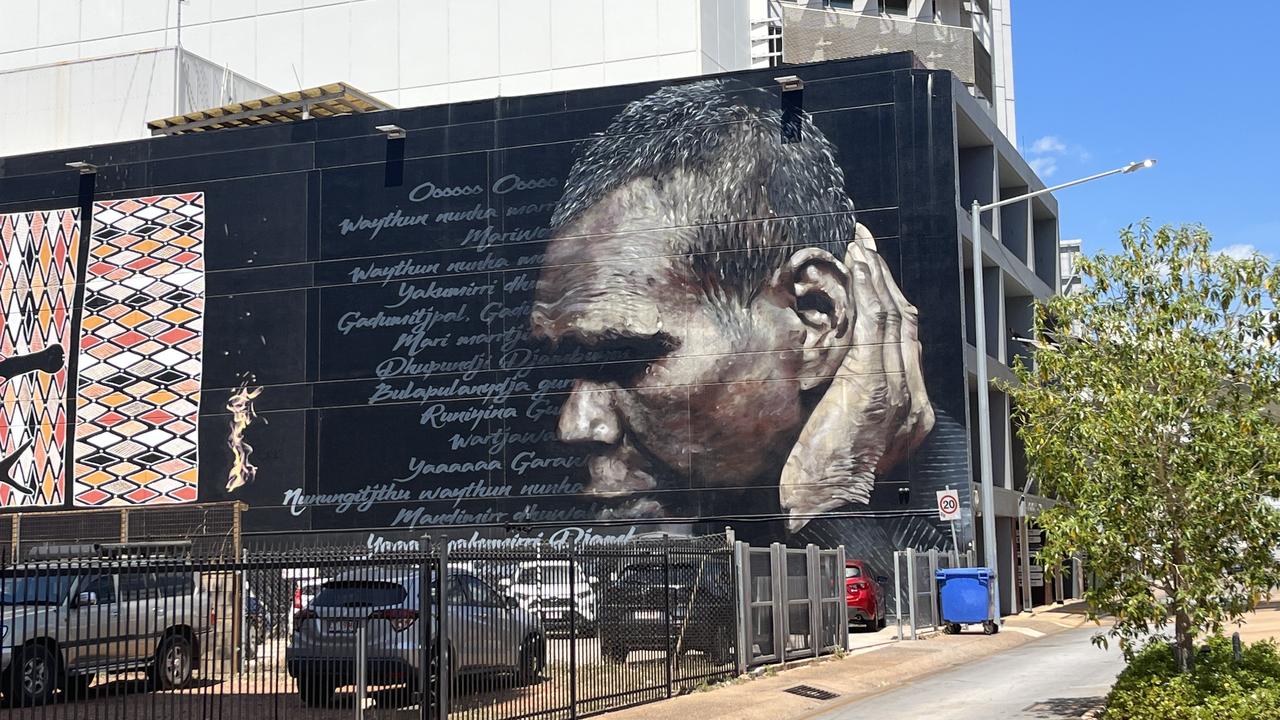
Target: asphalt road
{"points": [[1054, 677]]}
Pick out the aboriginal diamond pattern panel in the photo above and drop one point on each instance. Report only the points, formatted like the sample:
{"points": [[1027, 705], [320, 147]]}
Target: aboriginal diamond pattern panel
{"points": [[141, 345], [38, 252]]}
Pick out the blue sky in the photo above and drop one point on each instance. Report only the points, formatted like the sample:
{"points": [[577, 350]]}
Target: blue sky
{"points": [[1194, 88]]}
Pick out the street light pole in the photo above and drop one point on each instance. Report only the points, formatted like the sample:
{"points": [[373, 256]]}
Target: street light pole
{"points": [[980, 368]]}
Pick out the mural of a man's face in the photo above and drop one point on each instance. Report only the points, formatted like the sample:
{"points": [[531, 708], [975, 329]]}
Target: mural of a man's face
{"points": [[714, 396], [750, 347]]}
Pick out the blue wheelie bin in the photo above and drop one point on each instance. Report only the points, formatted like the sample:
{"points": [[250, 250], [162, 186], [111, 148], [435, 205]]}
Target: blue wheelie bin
{"points": [[964, 594]]}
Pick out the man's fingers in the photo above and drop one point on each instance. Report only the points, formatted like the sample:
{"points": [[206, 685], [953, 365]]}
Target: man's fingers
{"points": [[869, 324], [921, 416], [863, 237], [881, 281], [898, 398]]}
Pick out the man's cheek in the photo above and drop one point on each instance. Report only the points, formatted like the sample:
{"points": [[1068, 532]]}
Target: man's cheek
{"points": [[659, 417]]}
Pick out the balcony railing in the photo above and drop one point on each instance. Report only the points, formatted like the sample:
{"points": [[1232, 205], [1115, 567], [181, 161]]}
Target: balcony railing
{"points": [[814, 35]]}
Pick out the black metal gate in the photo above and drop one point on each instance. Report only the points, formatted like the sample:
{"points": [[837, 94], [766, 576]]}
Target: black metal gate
{"points": [[510, 630]]}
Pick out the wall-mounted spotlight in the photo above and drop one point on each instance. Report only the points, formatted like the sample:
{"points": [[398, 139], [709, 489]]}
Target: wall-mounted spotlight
{"points": [[393, 132], [84, 167], [790, 83]]}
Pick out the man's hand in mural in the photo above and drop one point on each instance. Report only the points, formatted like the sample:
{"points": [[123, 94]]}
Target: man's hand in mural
{"points": [[48, 360], [876, 409]]}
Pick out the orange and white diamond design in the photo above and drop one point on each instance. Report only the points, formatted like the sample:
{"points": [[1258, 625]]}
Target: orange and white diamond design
{"points": [[141, 349]]}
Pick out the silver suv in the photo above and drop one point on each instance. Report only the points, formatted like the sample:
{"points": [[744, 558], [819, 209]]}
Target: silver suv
{"points": [[487, 632], [555, 590], [62, 623]]}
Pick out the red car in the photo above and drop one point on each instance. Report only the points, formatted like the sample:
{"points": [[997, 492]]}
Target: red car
{"points": [[864, 595]]}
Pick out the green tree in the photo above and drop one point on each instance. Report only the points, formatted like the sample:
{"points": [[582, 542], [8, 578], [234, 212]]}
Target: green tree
{"points": [[1149, 412]]}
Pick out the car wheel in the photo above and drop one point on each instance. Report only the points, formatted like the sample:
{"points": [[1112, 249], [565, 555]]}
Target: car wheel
{"points": [[530, 667], [77, 686], [33, 676], [614, 652], [316, 691], [173, 664]]}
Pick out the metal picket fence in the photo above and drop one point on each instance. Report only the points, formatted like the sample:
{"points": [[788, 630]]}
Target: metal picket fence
{"points": [[792, 603], [913, 605], [499, 632]]}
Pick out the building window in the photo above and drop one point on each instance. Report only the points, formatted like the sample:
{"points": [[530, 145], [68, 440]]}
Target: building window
{"points": [[894, 7], [840, 4]]}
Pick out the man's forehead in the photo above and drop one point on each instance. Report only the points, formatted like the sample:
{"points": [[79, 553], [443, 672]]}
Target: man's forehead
{"points": [[635, 220], [593, 297], [608, 271]]}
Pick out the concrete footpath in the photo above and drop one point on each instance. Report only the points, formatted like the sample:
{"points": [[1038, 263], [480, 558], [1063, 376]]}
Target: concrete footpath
{"points": [[1261, 624], [1061, 676], [878, 664]]}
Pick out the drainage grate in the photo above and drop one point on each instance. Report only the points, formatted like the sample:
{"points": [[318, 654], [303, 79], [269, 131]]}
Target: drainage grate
{"points": [[811, 692]]}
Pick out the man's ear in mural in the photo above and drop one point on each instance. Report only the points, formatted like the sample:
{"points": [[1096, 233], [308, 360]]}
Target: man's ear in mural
{"points": [[875, 410], [819, 293]]}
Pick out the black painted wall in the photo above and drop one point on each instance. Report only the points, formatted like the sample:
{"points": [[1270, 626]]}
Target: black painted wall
{"points": [[315, 228]]}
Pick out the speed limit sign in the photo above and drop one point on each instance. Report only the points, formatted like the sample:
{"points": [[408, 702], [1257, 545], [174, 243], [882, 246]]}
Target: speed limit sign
{"points": [[948, 505]]}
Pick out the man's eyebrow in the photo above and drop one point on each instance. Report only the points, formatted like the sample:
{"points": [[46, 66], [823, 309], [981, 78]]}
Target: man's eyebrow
{"points": [[659, 342]]}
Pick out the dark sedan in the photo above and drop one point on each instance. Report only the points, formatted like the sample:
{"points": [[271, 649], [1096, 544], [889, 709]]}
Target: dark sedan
{"points": [[677, 605]]}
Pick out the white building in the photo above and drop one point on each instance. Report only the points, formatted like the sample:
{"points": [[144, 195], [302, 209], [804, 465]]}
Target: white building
{"points": [[972, 38], [94, 71]]}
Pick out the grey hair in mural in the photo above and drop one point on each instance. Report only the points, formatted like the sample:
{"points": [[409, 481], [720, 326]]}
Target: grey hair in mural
{"points": [[777, 348]]}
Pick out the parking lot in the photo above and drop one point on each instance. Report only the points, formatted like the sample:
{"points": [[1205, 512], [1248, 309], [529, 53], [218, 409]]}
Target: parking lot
{"points": [[264, 690]]}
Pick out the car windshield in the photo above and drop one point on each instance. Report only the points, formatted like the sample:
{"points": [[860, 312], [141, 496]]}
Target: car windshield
{"points": [[35, 590], [852, 571]]}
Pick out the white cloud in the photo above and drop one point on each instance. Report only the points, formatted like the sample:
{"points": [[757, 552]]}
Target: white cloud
{"points": [[1044, 154], [1048, 145], [1044, 167], [1240, 251]]}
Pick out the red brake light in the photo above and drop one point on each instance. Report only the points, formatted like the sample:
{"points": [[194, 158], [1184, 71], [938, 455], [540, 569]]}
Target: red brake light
{"points": [[297, 598], [401, 619]]}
